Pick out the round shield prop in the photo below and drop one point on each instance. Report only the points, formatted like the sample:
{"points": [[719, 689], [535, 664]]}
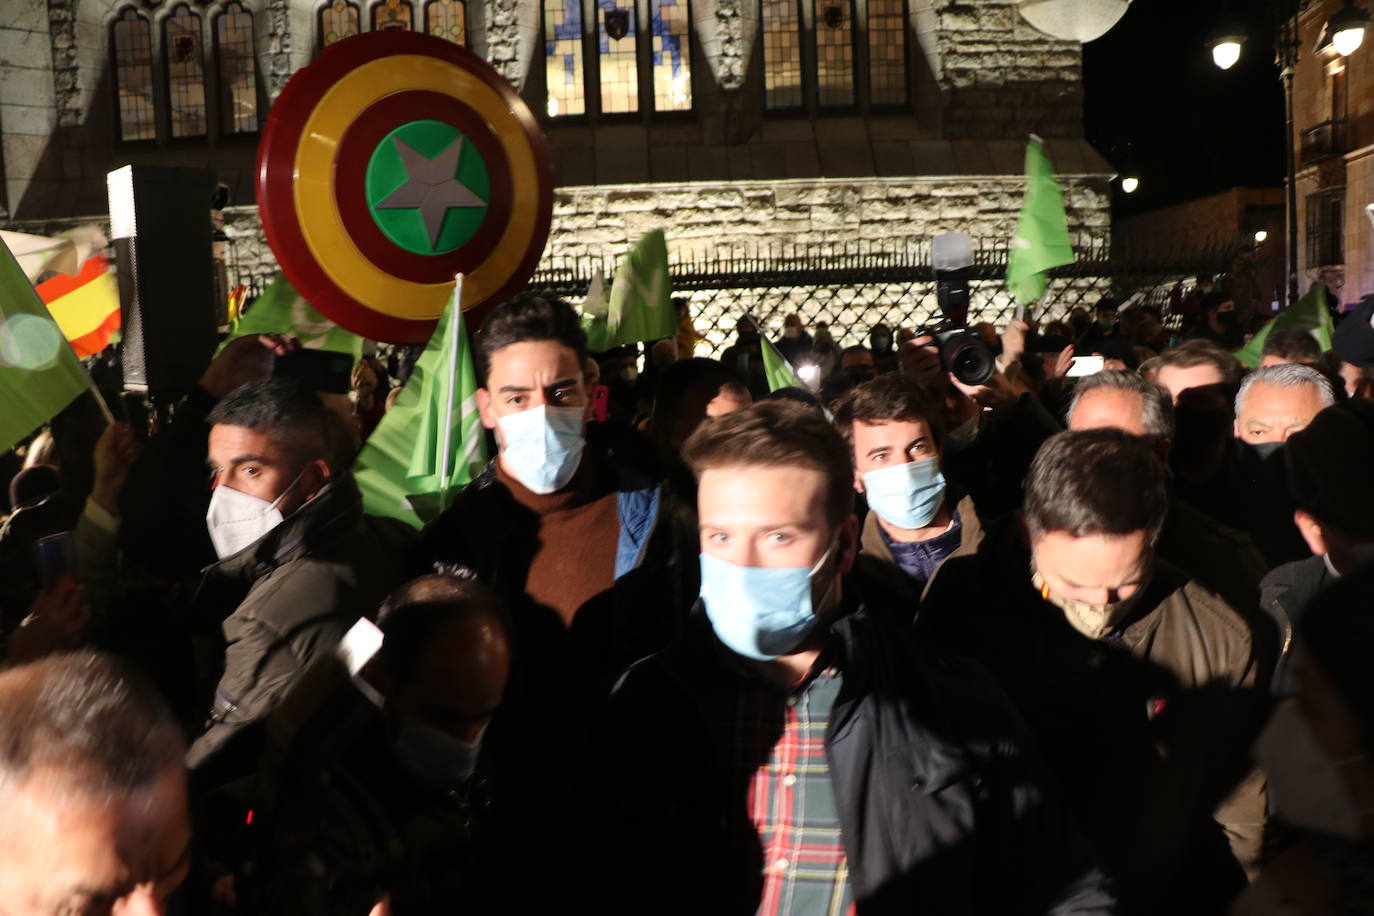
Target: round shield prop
{"points": [[393, 162]]}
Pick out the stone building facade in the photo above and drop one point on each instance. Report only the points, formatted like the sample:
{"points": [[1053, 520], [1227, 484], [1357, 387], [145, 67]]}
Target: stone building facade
{"points": [[1333, 123], [932, 143]]}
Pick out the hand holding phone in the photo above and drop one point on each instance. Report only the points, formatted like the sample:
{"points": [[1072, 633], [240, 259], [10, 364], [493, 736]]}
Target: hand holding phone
{"points": [[1086, 365]]}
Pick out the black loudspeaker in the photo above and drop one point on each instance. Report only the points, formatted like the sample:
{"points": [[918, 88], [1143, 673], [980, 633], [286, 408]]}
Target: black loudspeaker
{"points": [[160, 224]]}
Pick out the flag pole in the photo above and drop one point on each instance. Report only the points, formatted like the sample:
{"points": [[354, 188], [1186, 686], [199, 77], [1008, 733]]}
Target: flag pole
{"points": [[453, 337]]}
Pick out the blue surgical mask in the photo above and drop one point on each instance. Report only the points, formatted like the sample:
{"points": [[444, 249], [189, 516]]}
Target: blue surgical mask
{"points": [[433, 757], [543, 446], [759, 612], [907, 495]]}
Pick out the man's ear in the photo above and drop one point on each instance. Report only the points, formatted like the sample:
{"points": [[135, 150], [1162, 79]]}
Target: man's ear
{"points": [[859, 482], [848, 543], [313, 478], [484, 408], [1312, 532]]}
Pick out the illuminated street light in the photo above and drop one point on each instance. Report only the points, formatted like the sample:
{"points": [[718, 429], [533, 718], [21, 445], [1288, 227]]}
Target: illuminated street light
{"points": [[1347, 28], [1226, 52], [1128, 185], [1261, 235]]}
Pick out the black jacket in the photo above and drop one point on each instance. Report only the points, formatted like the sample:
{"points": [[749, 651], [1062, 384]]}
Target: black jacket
{"points": [[1284, 593], [293, 594], [942, 800]]}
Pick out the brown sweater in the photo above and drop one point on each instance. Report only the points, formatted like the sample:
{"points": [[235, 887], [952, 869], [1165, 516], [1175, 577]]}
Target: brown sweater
{"points": [[579, 528]]}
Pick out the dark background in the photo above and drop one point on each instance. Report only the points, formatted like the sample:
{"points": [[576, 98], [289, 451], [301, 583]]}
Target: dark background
{"points": [[1155, 102]]}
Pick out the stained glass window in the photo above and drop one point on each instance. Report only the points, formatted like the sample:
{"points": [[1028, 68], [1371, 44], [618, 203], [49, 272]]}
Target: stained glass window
{"points": [[238, 82], [447, 19], [338, 20], [672, 65], [393, 14], [887, 52], [182, 52], [133, 61], [563, 57], [834, 52], [782, 75], [616, 50]]}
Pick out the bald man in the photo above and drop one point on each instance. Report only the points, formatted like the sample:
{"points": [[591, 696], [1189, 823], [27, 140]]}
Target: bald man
{"points": [[93, 790], [379, 800]]}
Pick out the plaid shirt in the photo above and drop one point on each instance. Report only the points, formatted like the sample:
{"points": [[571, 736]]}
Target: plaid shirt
{"points": [[780, 745]]}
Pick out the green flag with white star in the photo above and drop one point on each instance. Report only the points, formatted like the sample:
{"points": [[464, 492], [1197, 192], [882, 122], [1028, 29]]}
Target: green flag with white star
{"points": [[1042, 233], [1308, 314], [641, 306], [281, 310], [39, 373], [430, 443]]}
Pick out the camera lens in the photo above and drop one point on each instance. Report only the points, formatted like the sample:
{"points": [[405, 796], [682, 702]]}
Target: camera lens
{"points": [[968, 358]]}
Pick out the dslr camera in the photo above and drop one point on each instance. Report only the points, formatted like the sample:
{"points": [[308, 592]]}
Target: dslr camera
{"points": [[961, 352]]}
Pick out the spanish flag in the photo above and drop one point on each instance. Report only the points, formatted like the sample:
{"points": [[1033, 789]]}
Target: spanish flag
{"points": [[85, 306]]}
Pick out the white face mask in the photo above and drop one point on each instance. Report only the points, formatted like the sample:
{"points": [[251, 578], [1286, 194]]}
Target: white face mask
{"points": [[1305, 784], [1094, 621], [236, 519]]}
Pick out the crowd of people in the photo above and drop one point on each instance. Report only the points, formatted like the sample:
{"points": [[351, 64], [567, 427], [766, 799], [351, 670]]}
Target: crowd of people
{"points": [[1059, 643]]}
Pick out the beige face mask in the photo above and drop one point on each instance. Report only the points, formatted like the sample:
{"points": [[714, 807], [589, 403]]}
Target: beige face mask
{"points": [[1092, 620]]}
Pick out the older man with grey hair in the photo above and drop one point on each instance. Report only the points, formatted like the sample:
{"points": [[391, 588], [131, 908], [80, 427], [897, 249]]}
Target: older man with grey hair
{"points": [[93, 786], [1121, 399], [1277, 401]]}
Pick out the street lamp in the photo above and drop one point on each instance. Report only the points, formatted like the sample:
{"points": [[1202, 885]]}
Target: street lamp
{"points": [[1129, 184], [1346, 29], [1261, 235]]}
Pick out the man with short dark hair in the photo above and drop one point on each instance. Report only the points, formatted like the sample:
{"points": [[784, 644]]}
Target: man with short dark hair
{"points": [[1136, 680], [93, 788], [795, 753], [1290, 345], [1196, 364], [854, 367], [1334, 514], [580, 551], [915, 520], [299, 561], [377, 784], [1217, 556]]}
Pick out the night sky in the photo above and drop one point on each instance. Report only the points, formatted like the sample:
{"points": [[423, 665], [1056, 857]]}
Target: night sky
{"points": [[1157, 103]]}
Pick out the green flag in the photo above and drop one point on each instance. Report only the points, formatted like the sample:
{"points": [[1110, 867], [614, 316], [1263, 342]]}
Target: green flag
{"points": [[281, 310], [430, 443], [1307, 314], [1042, 233], [641, 306], [778, 370], [39, 373], [594, 309]]}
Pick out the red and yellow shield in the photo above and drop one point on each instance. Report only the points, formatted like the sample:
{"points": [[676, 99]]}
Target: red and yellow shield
{"points": [[392, 163]]}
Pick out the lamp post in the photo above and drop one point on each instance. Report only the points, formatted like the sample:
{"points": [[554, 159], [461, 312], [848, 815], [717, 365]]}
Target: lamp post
{"points": [[1346, 30]]}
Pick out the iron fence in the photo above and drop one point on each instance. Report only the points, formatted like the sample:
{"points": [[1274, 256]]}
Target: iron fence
{"points": [[853, 286]]}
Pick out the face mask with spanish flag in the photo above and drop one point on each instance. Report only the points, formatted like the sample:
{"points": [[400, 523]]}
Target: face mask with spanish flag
{"points": [[1094, 621]]}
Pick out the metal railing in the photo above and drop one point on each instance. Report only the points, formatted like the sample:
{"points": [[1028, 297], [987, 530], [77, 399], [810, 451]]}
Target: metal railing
{"points": [[1324, 141]]}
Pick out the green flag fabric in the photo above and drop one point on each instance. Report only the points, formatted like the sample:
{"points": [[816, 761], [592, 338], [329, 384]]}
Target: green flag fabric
{"points": [[777, 369], [1307, 314], [430, 443], [641, 306], [594, 309], [1042, 233], [281, 310], [39, 373]]}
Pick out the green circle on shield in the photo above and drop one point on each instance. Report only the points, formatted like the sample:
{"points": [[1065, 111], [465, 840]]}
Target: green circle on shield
{"points": [[427, 187]]}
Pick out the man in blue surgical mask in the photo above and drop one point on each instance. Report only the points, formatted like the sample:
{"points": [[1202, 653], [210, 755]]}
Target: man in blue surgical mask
{"points": [[915, 519], [575, 544], [799, 751]]}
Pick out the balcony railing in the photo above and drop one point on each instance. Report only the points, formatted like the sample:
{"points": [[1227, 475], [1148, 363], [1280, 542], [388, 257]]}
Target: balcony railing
{"points": [[1324, 141]]}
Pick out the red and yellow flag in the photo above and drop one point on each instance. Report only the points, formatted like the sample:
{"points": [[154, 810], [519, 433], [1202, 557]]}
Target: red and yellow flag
{"points": [[85, 306]]}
